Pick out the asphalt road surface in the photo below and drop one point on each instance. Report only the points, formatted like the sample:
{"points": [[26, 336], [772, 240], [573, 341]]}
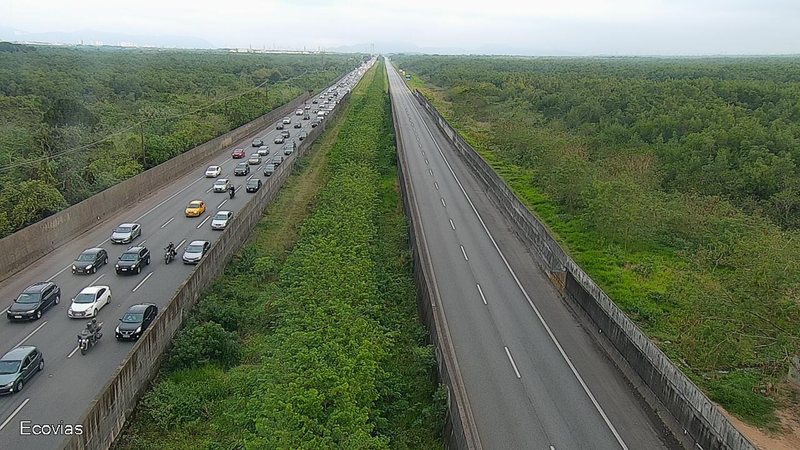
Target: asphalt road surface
{"points": [[63, 391], [534, 377]]}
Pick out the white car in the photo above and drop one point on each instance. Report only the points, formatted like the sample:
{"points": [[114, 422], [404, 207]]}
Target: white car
{"points": [[222, 185], [89, 301], [195, 251], [299, 112], [254, 159], [263, 150], [213, 171], [221, 219], [287, 120]]}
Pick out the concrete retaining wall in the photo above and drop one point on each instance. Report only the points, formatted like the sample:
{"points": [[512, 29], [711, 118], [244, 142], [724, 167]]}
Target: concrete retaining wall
{"points": [[24, 247], [460, 431], [699, 417], [107, 413]]}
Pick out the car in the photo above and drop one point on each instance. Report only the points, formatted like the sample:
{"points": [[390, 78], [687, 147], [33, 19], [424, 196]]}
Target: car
{"points": [[307, 107], [278, 140], [306, 117], [213, 171], [287, 120], [132, 260], [279, 126], [258, 142], [89, 301], [221, 219], [315, 101], [255, 159], [314, 124], [241, 169], [299, 112], [195, 208], [314, 111], [285, 134], [125, 233], [18, 366], [33, 301], [222, 185], [302, 135], [253, 185], [238, 153], [298, 125], [135, 321], [277, 160], [269, 169], [89, 260], [289, 148], [195, 251], [263, 150]]}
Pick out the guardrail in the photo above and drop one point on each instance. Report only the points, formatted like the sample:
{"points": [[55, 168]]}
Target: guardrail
{"points": [[700, 418], [108, 412], [460, 431], [24, 247]]}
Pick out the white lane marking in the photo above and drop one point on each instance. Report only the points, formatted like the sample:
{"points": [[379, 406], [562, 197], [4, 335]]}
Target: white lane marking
{"points": [[528, 298], [73, 351], [31, 334], [443, 203], [452, 225], [141, 243], [24, 402], [59, 272], [209, 189], [464, 252], [426, 161], [237, 189], [167, 222], [179, 245], [168, 199], [251, 176], [480, 291], [437, 185], [430, 171], [220, 205], [206, 219], [142, 282], [552, 448], [96, 280], [508, 353], [423, 154], [4, 311]]}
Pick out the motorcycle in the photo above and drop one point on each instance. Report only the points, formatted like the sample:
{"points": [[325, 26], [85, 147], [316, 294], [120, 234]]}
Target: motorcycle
{"points": [[169, 255], [232, 192], [87, 339]]}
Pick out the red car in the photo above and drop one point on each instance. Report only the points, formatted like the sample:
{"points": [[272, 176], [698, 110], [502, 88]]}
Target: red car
{"points": [[238, 153]]}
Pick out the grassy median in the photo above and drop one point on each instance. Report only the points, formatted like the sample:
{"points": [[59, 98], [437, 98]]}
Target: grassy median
{"points": [[310, 339]]}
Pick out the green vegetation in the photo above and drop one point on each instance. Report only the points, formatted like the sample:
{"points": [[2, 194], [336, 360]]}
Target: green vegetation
{"points": [[321, 304], [675, 183], [75, 121]]}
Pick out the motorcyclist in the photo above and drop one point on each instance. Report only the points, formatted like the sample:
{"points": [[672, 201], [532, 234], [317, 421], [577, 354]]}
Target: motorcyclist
{"points": [[232, 191], [170, 249]]}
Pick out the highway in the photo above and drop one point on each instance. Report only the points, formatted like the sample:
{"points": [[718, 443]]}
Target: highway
{"points": [[63, 391], [534, 377]]}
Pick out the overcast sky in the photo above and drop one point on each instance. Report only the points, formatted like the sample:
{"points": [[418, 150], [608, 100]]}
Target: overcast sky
{"points": [[532, 27]]}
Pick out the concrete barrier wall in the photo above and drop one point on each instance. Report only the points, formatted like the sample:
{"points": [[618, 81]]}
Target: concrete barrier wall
{"points": [[701, 419], [460, 431], [22, 248], [106, 415]]}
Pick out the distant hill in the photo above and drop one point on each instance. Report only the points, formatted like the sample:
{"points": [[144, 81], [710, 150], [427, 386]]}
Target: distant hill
{"points": [[90, 37]]}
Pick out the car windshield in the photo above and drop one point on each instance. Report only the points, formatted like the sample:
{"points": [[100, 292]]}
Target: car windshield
{"points": [[28, 298], [86, 257], [241, 165], [85, 298], [221, 216], [194, 205], [213, 168], [194, 248], [123, 230], [9, 367], [129, 257], [132, 317], [252, 183]]}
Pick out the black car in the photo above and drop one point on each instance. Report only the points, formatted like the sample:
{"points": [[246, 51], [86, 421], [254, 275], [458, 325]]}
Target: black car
{"points": [[258, 142], [298, 125], [89, 260], [315, 101], [134, 322], [253, 185], [306, 117], [279, 126], [285, 134], [302, 136], [277, 160], [314, 124], [132, 260], [242, 169], [269, 169], [18, 366], [33, 301]]}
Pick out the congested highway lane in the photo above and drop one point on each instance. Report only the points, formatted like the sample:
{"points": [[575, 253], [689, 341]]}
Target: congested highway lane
{"points": [[69, 381]]}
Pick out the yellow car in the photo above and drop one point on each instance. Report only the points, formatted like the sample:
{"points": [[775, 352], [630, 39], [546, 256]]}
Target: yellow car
{"points": [[195, 208]]}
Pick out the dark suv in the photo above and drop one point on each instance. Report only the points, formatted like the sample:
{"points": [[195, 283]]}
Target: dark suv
{"points": [[132, 260], [90, 260], [18, 366], [32, 302]]}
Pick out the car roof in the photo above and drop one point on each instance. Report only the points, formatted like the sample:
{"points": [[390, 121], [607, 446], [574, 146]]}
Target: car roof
{"points": [[128, 224], [92, 289], [18, 353], [139, 308], [213, 167], [197, 242], [221, 180], [197, 200], [37, 287], [134, 249], [224, 212], [92, 250]]}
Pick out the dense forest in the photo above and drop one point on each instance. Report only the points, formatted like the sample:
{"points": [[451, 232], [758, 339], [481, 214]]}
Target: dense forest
{"points": [[674, 182], [74, 121]]}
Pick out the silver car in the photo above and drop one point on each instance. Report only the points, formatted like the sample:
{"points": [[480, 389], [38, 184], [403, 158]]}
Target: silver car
{"points": [[125, 233], [255, 158], [263, 150], [222, 185], [195, 251], [221, 219]]}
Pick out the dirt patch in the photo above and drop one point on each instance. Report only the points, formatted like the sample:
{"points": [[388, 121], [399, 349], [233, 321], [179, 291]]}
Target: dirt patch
{"points": [[786, 439]]}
